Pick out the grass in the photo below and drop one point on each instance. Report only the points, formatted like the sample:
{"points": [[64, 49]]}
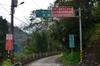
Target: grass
{"points": [[7, 62], [68, 58]]}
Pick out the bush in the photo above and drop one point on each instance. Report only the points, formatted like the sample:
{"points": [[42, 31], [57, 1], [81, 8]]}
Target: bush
{"points": [[69, 58], [7, 62]]}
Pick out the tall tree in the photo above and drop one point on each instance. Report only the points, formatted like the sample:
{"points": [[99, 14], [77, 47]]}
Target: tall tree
{"points": [[38, 42], [96, 12], [3, 31]]}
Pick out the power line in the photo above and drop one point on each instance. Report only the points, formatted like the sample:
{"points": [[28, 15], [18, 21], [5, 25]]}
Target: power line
{"points": [[26, 19], [20, 20], [36, 4], [14, 16], [4, 9], [5, 4]]}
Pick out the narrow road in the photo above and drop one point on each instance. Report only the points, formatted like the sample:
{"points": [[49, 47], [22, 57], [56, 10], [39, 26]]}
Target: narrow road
{"points": [[49, 61]]}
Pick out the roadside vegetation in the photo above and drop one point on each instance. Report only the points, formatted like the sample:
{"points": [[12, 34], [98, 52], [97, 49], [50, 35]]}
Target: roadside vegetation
{"points": [[6, 62], [70, 58]]}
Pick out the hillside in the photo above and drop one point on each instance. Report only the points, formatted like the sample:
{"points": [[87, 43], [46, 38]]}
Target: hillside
{"points": [[19, 37]]}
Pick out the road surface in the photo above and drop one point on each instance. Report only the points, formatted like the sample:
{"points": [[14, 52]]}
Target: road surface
{"points": [[49, 61]]}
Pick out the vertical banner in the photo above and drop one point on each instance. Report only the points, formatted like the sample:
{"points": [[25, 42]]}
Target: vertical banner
{"points": [[71, 41], [9, 42]]}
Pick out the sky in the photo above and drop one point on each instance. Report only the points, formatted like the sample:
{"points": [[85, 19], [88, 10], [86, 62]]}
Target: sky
{"points": [[22, 12]]}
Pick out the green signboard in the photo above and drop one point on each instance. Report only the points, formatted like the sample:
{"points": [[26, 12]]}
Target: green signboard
{"points": [[43, 13], [71, 41]]}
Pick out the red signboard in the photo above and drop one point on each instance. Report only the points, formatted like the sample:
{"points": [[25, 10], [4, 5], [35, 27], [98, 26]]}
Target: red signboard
{"points": [[63, 11], [9, 42]]}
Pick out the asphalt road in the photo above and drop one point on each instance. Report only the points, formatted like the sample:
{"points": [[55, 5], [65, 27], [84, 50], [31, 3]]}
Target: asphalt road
{"points": [[49, 61]]}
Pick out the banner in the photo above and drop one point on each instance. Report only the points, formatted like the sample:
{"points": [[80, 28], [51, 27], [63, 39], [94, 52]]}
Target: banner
{"points": [[9, 42], [63, 11]]}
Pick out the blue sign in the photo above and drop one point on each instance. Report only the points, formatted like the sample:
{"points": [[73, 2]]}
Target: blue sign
{"points": [[16, 48], [43, 13], [71, 41]]}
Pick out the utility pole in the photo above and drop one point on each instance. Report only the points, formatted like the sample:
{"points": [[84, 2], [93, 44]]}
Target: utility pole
{"points": [[12, 16], [13, 5]]}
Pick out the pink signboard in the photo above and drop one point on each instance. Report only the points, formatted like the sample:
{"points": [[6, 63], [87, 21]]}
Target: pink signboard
{"points": [[63, 11], [9, 42]]}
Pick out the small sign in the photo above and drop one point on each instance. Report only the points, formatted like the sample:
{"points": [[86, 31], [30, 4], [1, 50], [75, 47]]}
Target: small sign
{"points": [[16, 48], [9, 42], [71, 41], [43, 13]]}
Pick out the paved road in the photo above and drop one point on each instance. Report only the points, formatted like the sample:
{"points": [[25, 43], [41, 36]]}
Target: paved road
{"points": [[49, 61]]}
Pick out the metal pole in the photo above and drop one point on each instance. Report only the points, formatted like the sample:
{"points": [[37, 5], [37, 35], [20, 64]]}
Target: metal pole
{"points": [[72, 52], [80, 28]]}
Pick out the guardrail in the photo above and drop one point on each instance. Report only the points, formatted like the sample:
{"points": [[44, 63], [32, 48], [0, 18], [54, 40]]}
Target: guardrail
{"points": [[25, 60]]}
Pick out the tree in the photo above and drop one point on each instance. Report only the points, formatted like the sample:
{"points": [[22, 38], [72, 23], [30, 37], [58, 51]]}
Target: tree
{"points": [[96, 12], [38, 42], [3, 31]]}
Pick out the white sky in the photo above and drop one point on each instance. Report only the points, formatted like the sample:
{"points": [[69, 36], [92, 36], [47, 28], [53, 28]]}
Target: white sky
{"points": [[22, 11]]}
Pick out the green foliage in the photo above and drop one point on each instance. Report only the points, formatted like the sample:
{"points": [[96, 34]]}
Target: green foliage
{"points": [[3, 31], [96, 33], [7, 62], [23, 53], [67, 3], [96, 13], [38, 42], [69, 58], [60, 31]]}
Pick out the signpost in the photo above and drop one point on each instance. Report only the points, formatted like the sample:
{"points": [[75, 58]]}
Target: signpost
{"points": [[71, 43], [43, 13], [63, 11]]}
